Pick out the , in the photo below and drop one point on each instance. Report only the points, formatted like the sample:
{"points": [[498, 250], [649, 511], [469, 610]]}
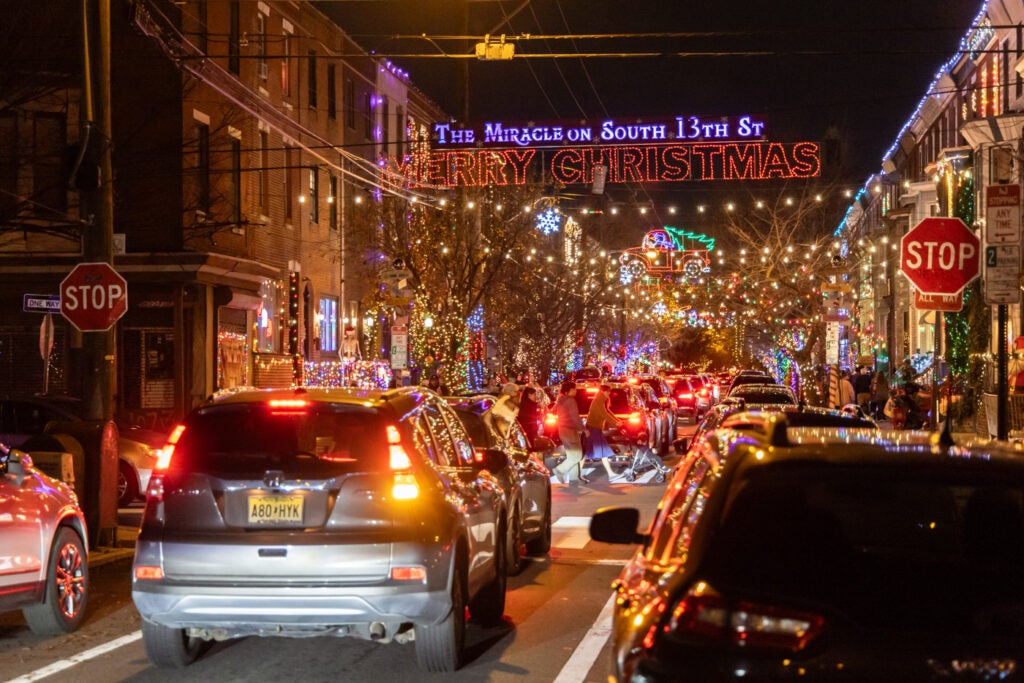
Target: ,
{"points": [[321, 512]]}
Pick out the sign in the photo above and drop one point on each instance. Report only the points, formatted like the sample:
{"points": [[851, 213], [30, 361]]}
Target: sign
{"points": [[600, 176], [93, 296], [396, 276], [650, 163], [400, 300], [835, 306], [399, 347], [832, 331], [940, 255], [837, 270], [938, 302], [40, 303], [46, 337], [609, 131], [396, 287], [1002, 219], [836, 287], [1002, 274]]}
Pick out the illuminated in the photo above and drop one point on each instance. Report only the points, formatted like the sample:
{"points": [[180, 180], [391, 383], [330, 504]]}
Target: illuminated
{"points": [[408, 574], [561, 132], [288, 403], [164, 454], [143, 573], [677, 162], [176, 434], [405, 487]]}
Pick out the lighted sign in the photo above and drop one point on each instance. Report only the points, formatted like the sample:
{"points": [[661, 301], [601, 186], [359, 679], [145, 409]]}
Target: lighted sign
{"points": [[672, 162], [609, 131], [663, 255], [548, 221], [671, 238], [658, 239]]}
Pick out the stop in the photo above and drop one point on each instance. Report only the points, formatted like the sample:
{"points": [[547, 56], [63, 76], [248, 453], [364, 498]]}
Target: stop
{"points": [[940, 256], [93, 296]]}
